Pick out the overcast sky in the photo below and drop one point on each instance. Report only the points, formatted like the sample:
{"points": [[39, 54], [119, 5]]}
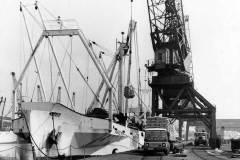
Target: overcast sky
{"points": [[214, 26]]}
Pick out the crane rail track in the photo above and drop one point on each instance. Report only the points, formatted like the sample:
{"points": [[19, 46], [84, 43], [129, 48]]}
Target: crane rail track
{"points": [[203, 155]]}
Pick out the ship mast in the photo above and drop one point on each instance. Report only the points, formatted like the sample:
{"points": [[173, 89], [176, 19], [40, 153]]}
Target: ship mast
{"points": [[124, 48], [119, 56], [132, 27], [120, 77]]}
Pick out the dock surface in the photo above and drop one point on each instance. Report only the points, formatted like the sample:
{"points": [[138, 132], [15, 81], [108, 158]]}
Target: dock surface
{"points": [[190, 153]]}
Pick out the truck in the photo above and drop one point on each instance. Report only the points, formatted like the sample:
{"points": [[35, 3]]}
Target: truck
{"points": [[201, 138], [159, 134], [235, 145]]}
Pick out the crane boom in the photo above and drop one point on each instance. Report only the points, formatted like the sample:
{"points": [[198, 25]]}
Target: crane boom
{"points": [[168, 32]]}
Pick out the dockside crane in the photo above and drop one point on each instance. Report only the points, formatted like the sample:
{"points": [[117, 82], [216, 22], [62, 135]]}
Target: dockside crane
{"points": [[172, 79]]}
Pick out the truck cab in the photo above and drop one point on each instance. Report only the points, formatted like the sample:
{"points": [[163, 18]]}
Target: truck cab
{"points": [[156, 139], [201, 138], [235, 145]]}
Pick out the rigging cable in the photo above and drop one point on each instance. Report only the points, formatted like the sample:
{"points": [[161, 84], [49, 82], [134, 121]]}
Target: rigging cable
{"points": [[56, 61], [115, 80], [85, 80], [66, 51], [35, 61], [35, 83], [72, 61], [138, 69], [142, 101], [47, 10], [55, 83], [51, 74], [70, 66], [55, 58], [40, 15], [60, 73], [111, 70], [39, 24], [22, 57], [9, 111]]}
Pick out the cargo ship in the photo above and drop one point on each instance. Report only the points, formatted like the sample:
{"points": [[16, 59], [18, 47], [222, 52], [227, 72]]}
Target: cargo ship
{"points": [[54, 127]]}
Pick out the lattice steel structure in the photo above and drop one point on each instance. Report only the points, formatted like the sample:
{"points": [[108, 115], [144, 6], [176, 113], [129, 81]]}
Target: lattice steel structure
{"points": [[173, 83], [167, 32]]}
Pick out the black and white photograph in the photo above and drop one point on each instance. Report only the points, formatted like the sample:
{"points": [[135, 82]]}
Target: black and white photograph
{"points": [[119, 79]]}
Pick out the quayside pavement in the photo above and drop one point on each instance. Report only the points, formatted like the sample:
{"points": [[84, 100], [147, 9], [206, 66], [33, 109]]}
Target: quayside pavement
{"points": [[190, 153]]}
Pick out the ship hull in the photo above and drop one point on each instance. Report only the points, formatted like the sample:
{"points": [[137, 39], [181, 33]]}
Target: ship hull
{"points": [[8, 141], [74, 134], [14, 148]]}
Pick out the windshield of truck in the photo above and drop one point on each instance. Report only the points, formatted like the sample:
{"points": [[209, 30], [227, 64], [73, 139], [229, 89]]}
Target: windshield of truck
{"points": [[200, 134], [156, 136]]}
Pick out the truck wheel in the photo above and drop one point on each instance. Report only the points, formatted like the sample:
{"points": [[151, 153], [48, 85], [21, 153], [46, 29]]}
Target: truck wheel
{"points": [[166, 152], [173, 151], [114, 150], [181, 151]]}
